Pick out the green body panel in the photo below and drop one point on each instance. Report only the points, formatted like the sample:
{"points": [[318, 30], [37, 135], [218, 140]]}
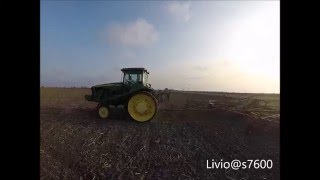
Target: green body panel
{"points": [[117, 93]]}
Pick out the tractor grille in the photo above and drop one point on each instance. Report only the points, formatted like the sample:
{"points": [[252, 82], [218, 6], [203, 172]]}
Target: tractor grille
{"points": [[93, 92]]}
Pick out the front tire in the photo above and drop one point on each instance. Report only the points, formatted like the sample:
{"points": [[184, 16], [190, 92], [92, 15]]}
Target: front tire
{"points": [[103, 112]]}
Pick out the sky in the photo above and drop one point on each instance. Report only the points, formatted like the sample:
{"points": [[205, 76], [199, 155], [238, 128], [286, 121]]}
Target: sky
{"points": [[230, 46]]}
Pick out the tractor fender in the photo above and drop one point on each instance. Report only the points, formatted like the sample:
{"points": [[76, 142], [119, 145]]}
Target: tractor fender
{"points": [[146, 90], [133, 91]]}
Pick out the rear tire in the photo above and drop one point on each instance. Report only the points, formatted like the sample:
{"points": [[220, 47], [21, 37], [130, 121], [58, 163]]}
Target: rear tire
{"points": [[142, 106]]}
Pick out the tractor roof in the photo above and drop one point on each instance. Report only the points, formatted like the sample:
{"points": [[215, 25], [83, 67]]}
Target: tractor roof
{"points": [[134, 69]]}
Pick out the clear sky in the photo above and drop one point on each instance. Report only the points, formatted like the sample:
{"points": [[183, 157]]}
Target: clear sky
{"points": [[231, 46]]}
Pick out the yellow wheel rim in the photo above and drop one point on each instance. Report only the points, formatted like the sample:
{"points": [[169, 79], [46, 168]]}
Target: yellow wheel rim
{"points": [[142, 107], [103, 112]]}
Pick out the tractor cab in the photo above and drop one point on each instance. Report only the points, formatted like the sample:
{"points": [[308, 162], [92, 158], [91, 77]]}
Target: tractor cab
{"points": [[135, 76]]}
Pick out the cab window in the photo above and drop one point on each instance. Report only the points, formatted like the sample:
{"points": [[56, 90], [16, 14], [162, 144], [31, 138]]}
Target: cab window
{"points": [[132, 78]]}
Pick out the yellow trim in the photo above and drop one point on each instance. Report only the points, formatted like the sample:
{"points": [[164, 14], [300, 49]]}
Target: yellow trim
{"points": [[141, 107], [103, 112]]}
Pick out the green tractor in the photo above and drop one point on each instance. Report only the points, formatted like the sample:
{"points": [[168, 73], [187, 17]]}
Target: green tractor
{"points": [[133, 93]]}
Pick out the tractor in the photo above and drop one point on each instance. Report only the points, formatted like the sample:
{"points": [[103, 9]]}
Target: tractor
{"points": [[134, 93]]}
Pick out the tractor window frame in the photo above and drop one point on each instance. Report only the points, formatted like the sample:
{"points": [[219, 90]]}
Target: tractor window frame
{"points": [[138, 77], [145, 78]]}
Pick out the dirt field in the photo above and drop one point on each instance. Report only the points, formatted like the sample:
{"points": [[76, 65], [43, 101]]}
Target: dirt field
{"points": [[176, 144]]}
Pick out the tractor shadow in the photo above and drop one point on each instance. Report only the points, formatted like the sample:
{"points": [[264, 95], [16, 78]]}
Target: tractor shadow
{"points": [[118, 114], [91, 115]]}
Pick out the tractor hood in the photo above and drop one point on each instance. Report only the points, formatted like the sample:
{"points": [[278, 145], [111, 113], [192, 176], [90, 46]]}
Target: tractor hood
{"points": [[108, 85], [98, 90]]}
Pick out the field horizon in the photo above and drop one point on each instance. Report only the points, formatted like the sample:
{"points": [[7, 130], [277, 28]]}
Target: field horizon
{"points": [[192, 91]]}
